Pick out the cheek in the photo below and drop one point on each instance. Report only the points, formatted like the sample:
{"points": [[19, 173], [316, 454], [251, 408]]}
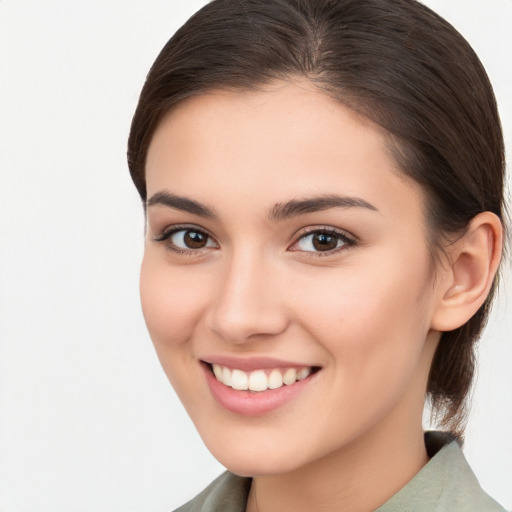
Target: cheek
{"points": [[374, 331], [172, 305], [365, 317], [171, 301]]}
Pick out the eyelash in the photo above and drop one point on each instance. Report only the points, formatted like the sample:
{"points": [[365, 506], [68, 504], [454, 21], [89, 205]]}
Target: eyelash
{"points": [[167, 233], [347, 240]]}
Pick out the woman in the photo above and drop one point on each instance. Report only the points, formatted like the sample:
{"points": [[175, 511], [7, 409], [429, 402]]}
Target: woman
{"points": [[323, 185]]}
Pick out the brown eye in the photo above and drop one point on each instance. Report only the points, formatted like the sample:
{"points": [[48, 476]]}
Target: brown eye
{"points": [[190, 239], [195, 240], [323, 241]]}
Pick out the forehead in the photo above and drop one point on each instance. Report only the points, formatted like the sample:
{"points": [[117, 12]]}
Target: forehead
{"points": [[286, 140]]}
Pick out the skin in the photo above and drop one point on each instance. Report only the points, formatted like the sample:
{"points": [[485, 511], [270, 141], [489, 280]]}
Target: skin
{"points": [[364, 313]]}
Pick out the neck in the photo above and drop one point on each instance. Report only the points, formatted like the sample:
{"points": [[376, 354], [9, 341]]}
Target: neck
{"points": [[359, 477]]}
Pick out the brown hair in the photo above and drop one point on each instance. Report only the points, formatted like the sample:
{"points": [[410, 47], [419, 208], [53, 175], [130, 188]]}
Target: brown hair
{"points": [[398, 63]]}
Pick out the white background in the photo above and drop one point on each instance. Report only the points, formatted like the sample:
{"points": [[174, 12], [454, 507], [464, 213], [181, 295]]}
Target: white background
{"points": [[88, 421]]}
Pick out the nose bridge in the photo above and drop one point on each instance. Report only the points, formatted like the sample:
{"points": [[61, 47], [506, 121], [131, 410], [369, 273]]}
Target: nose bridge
{"points": [[248, 300]]}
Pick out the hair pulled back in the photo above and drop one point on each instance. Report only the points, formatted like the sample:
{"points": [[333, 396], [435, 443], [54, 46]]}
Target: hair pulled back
{"points": [[399, 64]]}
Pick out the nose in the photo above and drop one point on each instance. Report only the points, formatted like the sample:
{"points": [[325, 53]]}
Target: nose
{"points": [[248, 304]]}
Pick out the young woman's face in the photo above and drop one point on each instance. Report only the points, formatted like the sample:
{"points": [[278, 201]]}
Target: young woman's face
{"points": [[286, 251]]}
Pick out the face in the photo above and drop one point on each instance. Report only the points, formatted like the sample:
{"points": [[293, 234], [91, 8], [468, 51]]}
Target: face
{"points": [[286, 281]]}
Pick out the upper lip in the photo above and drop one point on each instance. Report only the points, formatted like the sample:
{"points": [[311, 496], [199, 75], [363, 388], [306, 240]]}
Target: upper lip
{"points": [[253, 363]]}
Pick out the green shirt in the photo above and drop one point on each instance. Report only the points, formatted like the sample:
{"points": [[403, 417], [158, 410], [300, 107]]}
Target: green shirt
{"points": [[445, 484]]}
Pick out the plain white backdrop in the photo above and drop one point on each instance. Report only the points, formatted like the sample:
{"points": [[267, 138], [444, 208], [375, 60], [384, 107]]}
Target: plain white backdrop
{"points": [[88, 421]]}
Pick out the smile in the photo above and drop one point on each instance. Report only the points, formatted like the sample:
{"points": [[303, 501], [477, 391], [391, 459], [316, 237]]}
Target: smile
{"points": [[259, 380], [257, 386]]}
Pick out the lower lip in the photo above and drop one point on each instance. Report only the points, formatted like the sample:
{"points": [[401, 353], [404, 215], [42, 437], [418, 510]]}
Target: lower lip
{"points": [[250, 403]]}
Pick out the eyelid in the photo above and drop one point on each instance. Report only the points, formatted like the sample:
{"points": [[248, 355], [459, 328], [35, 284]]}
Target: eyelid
{"points": [[169, 231], [349, 240], [174, 228]]}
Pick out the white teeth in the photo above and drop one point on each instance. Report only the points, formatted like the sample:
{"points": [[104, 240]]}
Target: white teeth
{"points": [[275, 379], [259, 380], [226, 376], [239, 380], [290, 376], [303, 373], [217, 370]]}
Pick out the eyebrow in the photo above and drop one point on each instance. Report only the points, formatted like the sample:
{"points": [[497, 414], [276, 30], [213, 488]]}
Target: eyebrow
{"points": [[181, 203], [297, 207], [278, 212]]}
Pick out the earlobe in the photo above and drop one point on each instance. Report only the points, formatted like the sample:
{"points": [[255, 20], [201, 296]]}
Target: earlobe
{"points": [[473, 262]]}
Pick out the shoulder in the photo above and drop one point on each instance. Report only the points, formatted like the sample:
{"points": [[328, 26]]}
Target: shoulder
{"points": [[462, 488], [446, 483], [227, 493]]}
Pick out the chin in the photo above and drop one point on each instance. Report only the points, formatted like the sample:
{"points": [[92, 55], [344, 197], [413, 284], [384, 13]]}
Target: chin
{"points": [[256, 466], [246, 456]]}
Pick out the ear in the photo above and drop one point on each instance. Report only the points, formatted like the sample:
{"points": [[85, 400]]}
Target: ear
{"points": [[473, 260]]}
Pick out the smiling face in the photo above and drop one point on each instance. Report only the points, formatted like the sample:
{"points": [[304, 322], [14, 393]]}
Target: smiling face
{"points": [[286, 253]]}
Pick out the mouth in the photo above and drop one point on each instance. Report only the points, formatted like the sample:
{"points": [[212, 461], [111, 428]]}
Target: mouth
{"points": [[260, 387], [260, 380], [257, 385]]}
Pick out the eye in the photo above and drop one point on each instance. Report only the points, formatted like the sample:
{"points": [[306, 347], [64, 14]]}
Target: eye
{"points": [[323, 240], [191, 239], [186, 240]]}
